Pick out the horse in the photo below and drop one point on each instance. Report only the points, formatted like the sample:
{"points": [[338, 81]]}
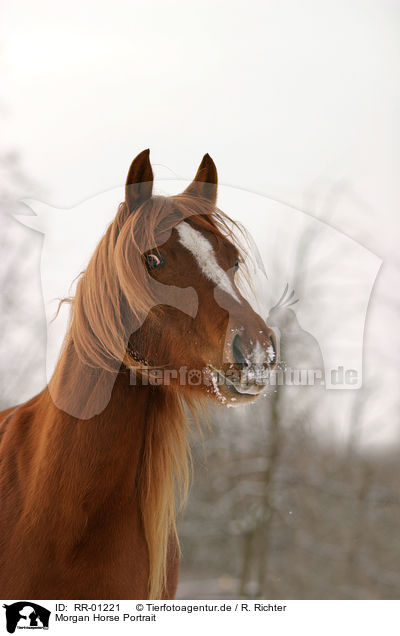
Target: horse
{"points": [[95, 467]]}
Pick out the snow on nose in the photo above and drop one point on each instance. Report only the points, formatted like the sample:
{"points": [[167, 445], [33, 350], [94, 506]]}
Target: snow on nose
{"points": [[258, 354]]}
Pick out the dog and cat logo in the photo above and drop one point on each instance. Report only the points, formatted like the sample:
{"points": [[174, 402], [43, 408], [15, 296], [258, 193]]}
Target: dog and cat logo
{"points": [[26, 615]]}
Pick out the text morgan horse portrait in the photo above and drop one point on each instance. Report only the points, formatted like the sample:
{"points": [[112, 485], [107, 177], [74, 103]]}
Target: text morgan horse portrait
{"points": [[93, 468]]}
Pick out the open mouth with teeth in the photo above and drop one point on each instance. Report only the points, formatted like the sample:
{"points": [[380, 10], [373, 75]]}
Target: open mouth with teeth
{"points": [[246, 381]]}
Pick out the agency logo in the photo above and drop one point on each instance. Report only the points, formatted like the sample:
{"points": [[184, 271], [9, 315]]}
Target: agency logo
{"points": [[26, 615]]}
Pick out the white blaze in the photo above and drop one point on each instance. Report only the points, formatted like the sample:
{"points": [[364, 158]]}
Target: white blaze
{"points": [[203, 252]]}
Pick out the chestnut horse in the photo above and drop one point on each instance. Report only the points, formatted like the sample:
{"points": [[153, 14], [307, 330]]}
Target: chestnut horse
{"points": [[91, 468]]}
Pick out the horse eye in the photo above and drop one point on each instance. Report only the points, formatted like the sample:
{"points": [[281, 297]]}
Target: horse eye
{"points": [[153, 261], [236, 265]]}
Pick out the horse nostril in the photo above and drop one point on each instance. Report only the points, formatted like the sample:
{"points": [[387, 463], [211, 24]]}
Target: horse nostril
{"points": [[238, 355], [273, 345]]}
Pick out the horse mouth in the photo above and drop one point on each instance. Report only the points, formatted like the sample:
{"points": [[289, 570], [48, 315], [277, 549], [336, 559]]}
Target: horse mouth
{"points": [[249, 388]]}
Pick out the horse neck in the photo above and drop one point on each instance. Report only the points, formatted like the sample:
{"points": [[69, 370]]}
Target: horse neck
{"points": [[110, 454], [93, 425]]}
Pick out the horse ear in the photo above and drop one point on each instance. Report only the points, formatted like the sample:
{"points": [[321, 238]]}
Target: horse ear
{"points": [[139, 183], [205, 183]]}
